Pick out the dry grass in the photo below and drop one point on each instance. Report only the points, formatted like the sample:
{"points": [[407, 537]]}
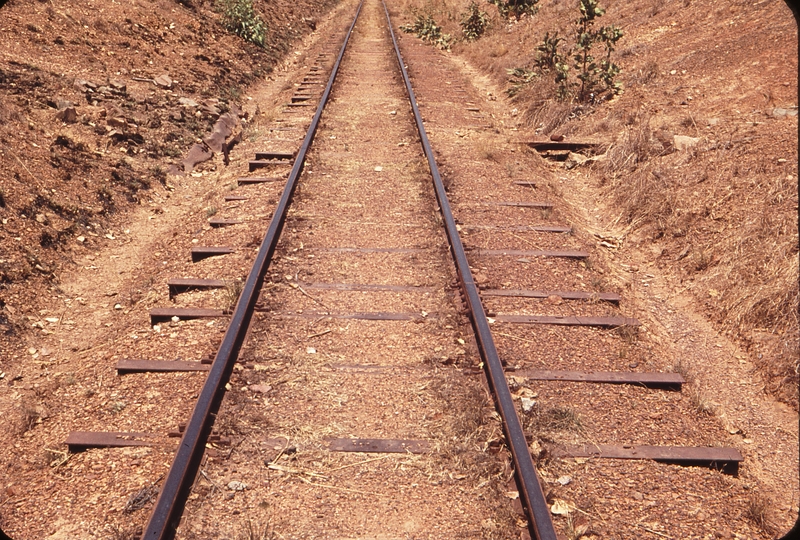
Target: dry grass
{"points": [[30, 414], [758, 510], [541, 112], [548, 420], [257, 531], [233, 289], [731, 221]]}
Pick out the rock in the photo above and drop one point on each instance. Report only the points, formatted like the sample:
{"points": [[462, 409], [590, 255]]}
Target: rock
{"points": [[62, 104], [564, 480], [527, 404], [112, 110], [210, 108], [119, 86], [197, 154], [188, 102], [215, 141], [557, 137], [84, 86], [117, 123], [554, 300], [638, 496], [261, 388], [41, 218], [536, 449], [560, 507], [779, 112], [682, 142], [68, 115], [164, 81], [235, 485], [573, 160]]}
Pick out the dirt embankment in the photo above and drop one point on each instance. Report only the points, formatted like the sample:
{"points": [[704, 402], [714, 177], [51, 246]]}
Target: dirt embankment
{"points": [[97, 101], [699, 171]]}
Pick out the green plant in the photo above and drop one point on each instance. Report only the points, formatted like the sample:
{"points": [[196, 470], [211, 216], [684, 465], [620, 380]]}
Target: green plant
{"points": [[515, 8], [595, 75], [519, 78], [474, 22], [427, 30], [548, 57], [548, 60], [239, 17]]}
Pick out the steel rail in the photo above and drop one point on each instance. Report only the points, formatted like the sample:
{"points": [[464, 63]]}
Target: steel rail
{"points": [[169, 506], [539, 520]]}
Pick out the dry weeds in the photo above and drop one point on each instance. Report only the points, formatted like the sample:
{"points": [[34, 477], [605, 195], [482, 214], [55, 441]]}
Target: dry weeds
{"points": [[758, 510]]}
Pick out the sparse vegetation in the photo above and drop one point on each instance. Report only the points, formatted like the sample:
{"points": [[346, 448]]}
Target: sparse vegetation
{"points": [[595, 75], [239, 17], [515, 8], [233, 289], [594, 79], [474, 22], [553, 419], [256, 531], [758, 512], [425, 28], [519, 78]]}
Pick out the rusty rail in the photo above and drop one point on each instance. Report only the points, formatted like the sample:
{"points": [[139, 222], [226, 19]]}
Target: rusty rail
{"points": [[539, 520], [168, 509]]}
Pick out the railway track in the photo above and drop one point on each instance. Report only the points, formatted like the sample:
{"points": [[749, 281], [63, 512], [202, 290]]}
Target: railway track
{"points": [[345, 397]]}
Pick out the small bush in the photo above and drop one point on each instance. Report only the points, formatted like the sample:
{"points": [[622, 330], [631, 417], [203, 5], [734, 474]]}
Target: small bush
{"points": [[594, 74], [474, 22], [594, 79], [519, 78], [427, 30], [515, 8], [239, 17]]}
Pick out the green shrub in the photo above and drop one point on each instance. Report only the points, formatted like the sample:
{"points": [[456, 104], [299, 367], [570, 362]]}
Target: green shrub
{"points": [[239, 17], [595, 79], [519, 78], [549, 57], [426, 29], [474, 22], [595, 75], [515, 8]]}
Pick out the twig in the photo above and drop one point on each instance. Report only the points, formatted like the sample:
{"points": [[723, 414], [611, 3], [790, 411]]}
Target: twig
{"points": [[290, 470], [359, 463], [21, 163], [318, 334], [87, 351], [299, 288], [655, 532], [5, 501], [210, 480]]}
